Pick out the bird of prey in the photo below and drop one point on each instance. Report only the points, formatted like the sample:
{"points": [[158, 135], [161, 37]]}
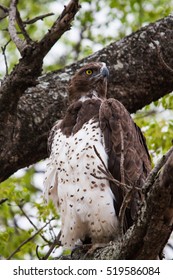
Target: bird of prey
{"points": [[97, 152]]}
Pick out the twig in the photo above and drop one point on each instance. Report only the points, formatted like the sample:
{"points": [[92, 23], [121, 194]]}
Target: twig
{"points": [[108, 174], [22, 28], [128, 189], [20, 44], [51, 231], [121, 215], [122, 153], [5, 58], [28, 218], [105, 172], [5, 9], [61, 25], [5, 12], [37, 252], [33, 20], [153, 174], [54, 244], [3, 200], [28, 240]]}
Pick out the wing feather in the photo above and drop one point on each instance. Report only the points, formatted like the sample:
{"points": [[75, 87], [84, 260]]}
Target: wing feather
{"points": [[128, 157]]}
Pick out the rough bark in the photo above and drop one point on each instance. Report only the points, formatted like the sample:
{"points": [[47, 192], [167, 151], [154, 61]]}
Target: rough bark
{"points": [[140, 72]]}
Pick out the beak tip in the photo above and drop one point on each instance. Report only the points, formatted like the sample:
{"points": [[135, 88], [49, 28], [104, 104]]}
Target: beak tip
{"points": [[104, 71]]}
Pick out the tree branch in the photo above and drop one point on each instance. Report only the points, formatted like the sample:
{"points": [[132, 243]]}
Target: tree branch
{"points": [[5, 58], [33, 20], [61, 25], [4, 12], [4, 9], [30, 221], [3, 200], [22, 28], [27, 240], [20, 44], [53, 245]]}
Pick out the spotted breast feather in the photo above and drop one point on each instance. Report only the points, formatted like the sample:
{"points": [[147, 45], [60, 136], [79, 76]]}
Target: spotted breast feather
{"points": [[96, 134]]}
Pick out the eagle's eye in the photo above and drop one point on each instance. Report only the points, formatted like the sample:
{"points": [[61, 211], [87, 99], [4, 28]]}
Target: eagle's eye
{"points": [[89, 72]]}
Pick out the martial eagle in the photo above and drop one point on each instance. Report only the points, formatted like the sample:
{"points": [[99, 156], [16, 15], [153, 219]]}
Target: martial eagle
{"points": [[97, 152]]}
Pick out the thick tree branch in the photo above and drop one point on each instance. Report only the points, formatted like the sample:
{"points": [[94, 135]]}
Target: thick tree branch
{"points": [[20, 44]]}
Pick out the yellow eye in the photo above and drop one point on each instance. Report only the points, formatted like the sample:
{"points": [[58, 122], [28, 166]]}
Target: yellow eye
{"points": [[89, 72]]}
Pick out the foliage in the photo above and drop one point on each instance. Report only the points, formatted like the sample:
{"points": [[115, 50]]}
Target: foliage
{"points": [[22, 213], [157, 124], [22, 210]]}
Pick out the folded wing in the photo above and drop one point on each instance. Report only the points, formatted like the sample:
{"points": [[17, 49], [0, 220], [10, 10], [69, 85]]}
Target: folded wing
{"points": [[128, 157]]}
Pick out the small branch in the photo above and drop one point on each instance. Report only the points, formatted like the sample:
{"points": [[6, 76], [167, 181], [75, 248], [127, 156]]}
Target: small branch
{"points": [[153, 174], [37, 253], [22, 28], [30, 221], [109, 176], [5, 58], [122, 153], [127, 190], [61, 25], [99, 156], [121, 215], [28, 240], [33, 20], [20, 44], [3, 200], [54, 244], [5, 11]]}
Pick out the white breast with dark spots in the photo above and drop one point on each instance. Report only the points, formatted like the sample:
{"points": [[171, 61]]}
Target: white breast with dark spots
{"points": [[86, 203]]}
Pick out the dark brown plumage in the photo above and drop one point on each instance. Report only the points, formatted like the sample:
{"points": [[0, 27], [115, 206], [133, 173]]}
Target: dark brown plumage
{"points": [[91, 125]]}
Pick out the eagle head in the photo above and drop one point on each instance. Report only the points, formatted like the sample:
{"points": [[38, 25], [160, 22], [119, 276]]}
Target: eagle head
{"points": [[89, 82]]}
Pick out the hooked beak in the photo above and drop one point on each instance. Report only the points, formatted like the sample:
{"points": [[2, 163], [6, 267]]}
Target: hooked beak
{"points": [[104, 71]]}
